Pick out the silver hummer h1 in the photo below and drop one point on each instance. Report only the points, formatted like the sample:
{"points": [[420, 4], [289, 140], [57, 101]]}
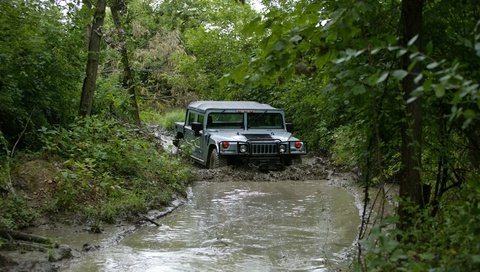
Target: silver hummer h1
{"points": [[223, 132]]}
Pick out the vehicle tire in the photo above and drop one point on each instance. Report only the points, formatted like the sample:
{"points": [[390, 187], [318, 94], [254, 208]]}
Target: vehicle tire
{"points": [[293, 160], [216, 160], [176, 142]]}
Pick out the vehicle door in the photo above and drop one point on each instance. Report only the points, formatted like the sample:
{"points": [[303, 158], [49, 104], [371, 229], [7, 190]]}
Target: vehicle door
{"points": [[202, 139], [191, 139], [194, 142]]}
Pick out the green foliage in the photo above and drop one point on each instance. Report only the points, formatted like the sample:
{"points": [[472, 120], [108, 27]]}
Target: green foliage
{"points": [[5, 165], [348, 138], [168, 119], [111, 98], [336, 67], [447, 242], [194, 44], [40, 68], [150, 117], [15, 213], [109, 170]]}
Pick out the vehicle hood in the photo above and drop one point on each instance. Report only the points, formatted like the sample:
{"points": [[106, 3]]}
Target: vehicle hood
{"points": [[243, 136]]}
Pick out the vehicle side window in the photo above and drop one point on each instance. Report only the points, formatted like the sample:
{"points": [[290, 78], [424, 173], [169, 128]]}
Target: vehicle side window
{"points": [[192, 116], [200, 118]]}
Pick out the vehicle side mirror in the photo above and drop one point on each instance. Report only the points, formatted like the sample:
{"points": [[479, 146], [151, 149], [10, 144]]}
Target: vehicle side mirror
{"points": [[289, 127], [196, 127]]}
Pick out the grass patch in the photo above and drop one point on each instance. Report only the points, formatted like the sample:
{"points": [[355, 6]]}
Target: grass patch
{"points": [[150, 117], [166, 120]]}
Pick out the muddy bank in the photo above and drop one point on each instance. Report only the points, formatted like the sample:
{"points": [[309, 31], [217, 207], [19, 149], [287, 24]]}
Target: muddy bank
{"points": [[71, 241], [311, 168]]}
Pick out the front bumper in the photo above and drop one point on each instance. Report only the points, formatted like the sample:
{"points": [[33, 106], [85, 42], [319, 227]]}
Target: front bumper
{"points": [[262, 149]]}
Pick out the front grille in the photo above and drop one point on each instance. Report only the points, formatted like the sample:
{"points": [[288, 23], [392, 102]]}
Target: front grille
{"points": [[263, 148]]}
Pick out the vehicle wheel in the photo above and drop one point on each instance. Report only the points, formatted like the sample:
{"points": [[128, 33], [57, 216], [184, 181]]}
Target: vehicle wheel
{"points": [[294, 160], [176, 142], [297, 160], [216, 160]]}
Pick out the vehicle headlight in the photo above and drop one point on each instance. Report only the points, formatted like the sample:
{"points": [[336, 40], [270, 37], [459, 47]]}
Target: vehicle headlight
{"points": [[243, 148], [282, 148]]}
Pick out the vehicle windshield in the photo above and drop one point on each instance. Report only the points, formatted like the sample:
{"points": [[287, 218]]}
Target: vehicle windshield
{"points": [[225, 120], [266, 120]]}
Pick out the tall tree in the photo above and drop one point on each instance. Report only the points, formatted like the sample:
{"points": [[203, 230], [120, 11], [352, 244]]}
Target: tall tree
{"points": [[88, 89], [410, 183], [128, 77]]}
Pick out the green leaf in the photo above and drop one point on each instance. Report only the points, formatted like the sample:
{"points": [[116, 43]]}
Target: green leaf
{"points": [[255, 77], [418, 78], [359, 89], [427, 256], [382, 78], [238, 74], [321, 60], [296, 38], [439, 90], [411, 99], [279, 46], [332, 36], [401, 52], [412, 65], [412, 40], [433, 65], [429, 48], [254, 26], [399, 74], [427, 84], [476, 258], [469, 114]]}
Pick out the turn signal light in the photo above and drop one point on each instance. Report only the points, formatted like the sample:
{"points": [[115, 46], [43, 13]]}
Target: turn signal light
{"points": [[298, 145], [225, 145]]}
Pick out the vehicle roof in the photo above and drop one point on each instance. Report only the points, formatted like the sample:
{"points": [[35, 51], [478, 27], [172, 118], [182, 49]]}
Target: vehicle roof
{"points": [[229, 105]]}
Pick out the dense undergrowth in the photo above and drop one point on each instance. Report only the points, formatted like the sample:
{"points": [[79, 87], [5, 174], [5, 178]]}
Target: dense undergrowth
{"points": [[448, 241], [100, 170]]}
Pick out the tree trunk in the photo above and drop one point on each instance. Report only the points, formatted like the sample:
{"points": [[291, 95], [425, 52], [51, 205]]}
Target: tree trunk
{"points": [[410, 183], [88, 89], [128, 79]]}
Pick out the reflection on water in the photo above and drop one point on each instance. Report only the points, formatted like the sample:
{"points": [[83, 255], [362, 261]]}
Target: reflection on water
{"points": [[239, 226]]}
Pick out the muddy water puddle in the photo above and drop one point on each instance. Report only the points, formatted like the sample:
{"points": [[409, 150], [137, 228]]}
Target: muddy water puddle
{"points": [[240, 226]]}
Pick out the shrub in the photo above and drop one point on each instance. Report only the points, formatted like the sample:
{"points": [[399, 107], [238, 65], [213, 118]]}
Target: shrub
{"points": [[15, 213], [166, 120], [109, 166], [449, 241]]}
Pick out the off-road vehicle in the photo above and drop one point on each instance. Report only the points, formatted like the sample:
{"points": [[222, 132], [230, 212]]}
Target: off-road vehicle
{"points": [[224, 132]]}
